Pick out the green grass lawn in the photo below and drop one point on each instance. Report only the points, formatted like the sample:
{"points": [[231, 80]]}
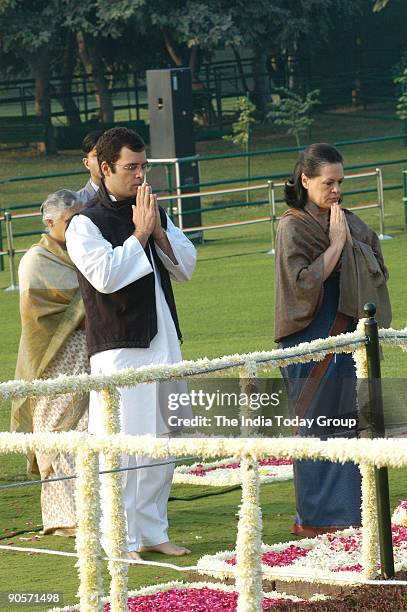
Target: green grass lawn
{"points": [[226, 308]]}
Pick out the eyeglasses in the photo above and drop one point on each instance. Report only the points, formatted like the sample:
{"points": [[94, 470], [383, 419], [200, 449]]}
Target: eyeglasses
{"points": [[133, 167]]}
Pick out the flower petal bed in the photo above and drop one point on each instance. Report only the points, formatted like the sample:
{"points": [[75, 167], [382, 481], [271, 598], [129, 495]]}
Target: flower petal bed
{"points": [[326, 558], [400, 514], [281, 558], [191, 597], [226, 472]]}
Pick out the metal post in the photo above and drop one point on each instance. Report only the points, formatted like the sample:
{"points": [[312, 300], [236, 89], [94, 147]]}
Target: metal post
{"points": [[377, 416], [272, 204], [218, 95], [168, 173], [405, 197], [380, 196], [178, 189], [10, 248], [23, 102], [128, 95], [248, 159], [1, 248]]}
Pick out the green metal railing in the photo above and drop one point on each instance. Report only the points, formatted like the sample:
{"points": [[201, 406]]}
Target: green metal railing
{"points": [[171, 164], [405, 197], [168, 166], [339, 143], [271, 218]]}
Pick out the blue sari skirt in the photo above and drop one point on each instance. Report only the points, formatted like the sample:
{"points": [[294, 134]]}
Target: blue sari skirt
{"points": [[327, 494]]}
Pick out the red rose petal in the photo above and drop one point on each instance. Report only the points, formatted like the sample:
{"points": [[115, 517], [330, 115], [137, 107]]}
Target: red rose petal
{"points": [[204, 599], [281, 558]]}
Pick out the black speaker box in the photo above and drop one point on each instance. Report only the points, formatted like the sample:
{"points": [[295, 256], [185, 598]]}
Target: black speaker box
{"points": [[172, 134]]}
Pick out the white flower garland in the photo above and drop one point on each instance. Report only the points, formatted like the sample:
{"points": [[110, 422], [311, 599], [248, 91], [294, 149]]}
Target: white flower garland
{"points": [[304, 352], [115, 515], [394, 337], [88, 536], [248, 542], [247, 385], [369, 522], [359, 356], [378, 452], [400, 514]]}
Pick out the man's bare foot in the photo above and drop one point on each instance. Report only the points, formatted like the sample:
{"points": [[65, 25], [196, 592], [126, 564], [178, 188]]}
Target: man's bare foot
{"points": [[166, 548], [133, 555]]}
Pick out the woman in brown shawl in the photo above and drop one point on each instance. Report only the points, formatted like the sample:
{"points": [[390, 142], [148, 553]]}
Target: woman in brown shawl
{"points": [[328, 265], [52, 343]]}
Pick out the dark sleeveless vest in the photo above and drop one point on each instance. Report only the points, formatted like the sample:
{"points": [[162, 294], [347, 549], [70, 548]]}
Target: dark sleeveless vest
{"points": [[128, 317]]}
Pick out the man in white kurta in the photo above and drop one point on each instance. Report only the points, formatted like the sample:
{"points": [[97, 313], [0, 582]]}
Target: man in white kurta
{"points": [[108, 269]]}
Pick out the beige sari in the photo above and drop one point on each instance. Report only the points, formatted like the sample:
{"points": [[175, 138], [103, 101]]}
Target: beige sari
{"points": [[51, 344]]}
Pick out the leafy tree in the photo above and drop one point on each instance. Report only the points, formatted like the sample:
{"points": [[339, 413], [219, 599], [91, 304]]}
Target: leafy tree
{"points": [[241, 130], [260, 25], [64, 63], [28, 30], [282, 28], [293, 111], [402, 101], [192, 28], [379, 5], [95, 24]]}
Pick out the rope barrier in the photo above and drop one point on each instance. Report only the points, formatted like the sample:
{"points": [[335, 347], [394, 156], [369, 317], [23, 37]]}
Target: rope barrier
{"points": [[306, 576], [61, 553], [59, 478]]}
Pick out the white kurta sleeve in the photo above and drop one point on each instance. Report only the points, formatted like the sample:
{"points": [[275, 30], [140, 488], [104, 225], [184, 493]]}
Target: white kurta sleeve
{"points": [[107, 269], [184, 251]]}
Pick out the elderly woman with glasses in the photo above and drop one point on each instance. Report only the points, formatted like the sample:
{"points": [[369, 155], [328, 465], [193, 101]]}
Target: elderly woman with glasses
{"points": [[52, 343]]}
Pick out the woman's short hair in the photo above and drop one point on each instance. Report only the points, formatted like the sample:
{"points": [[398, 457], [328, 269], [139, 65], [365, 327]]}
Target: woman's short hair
{"points": [[57, 203], [309, 163]]}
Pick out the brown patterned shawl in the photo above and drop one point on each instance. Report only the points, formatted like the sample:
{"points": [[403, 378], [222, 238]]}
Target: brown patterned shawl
{"points": [[300, 244]]}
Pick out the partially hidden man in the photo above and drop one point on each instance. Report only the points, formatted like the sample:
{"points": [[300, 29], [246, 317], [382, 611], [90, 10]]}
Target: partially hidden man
{"points": [[127, 250]]}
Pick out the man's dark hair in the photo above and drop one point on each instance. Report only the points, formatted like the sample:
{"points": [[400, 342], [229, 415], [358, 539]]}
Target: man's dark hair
{"points": [[111, 143], [90, 141], [309, 163]]}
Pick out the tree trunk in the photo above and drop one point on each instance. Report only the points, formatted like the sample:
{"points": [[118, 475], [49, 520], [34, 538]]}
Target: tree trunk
{"points": [[171, 50], [90, 54], [240, 69], [40, 70], [64, 92], [193, 59], [292, 67], [261, 92]]}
